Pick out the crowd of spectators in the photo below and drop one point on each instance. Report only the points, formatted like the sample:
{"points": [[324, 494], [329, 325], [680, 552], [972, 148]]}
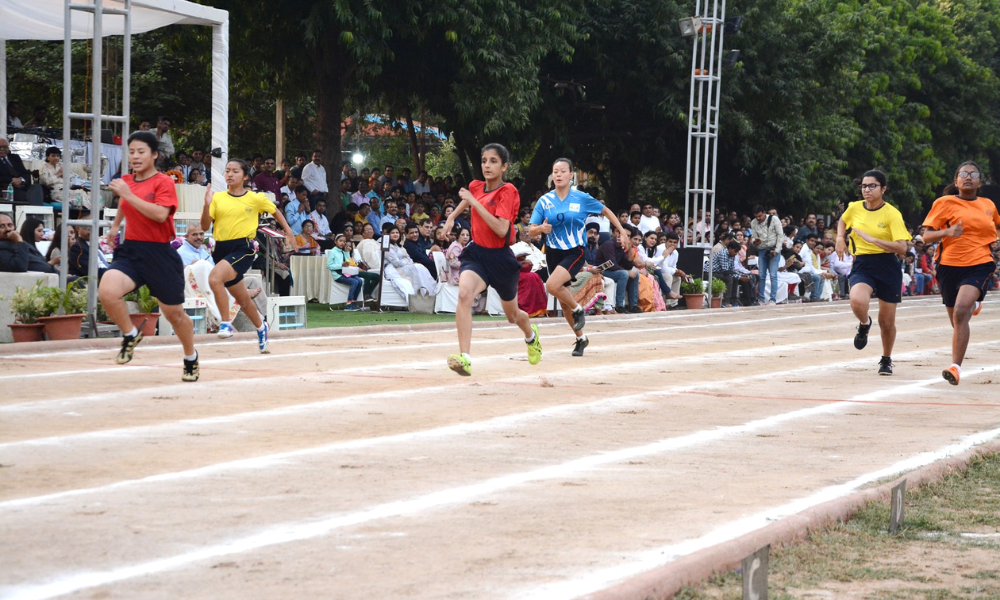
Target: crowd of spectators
{"points": [[750, 251]]}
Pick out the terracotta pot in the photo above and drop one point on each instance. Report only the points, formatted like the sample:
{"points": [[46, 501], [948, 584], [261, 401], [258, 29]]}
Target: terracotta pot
{"points": [[63, 327], [151, 318], [717, 302], [33, 332], [694, 301]]}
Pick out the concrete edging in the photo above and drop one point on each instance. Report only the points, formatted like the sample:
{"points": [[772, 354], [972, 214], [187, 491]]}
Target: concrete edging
{"points": [[663, 582]]}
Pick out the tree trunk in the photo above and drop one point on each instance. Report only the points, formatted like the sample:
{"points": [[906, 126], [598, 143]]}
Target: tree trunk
{"points": [[335, 69], [423, 139], [414, 149], [464, 158], [621, 180]]}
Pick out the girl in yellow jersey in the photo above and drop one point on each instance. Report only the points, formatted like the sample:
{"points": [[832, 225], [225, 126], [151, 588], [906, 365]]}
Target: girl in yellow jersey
{"points": [[235, 214], [966, 225], [877, 235]]}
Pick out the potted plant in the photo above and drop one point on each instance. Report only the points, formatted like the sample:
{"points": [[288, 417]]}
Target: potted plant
{"points": [[27, 305], [64, 310], [147, 305], [718, 291], [694, 293]]}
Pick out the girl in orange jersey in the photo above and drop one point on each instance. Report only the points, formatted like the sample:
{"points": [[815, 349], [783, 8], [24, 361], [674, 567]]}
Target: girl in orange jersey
{"points": [[966, 225]]}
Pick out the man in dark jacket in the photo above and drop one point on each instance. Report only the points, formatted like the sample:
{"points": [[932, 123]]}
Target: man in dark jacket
{"points": [[622, 271], [13, 173], [416, 251], [13, 250]]}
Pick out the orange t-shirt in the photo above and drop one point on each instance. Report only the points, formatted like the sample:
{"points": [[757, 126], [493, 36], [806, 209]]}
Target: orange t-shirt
{"points": [[979, 229]]}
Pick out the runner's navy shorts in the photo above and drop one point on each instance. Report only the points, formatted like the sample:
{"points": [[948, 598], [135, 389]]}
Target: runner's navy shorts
{"points": [[882, 272], [155, 265], [495, 266], [571, 260], [239, 253], [950, 279]]}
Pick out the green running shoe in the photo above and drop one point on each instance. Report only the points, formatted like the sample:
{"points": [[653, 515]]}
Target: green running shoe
{"points": [[535, 347], [460, 364]]}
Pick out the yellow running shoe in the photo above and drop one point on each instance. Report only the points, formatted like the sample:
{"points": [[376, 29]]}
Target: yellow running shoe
{"points": [[535, 347], [460, 364]]}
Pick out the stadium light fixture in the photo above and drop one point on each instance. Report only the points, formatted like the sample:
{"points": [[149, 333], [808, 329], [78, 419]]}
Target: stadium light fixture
{"points": [[690, 26]]}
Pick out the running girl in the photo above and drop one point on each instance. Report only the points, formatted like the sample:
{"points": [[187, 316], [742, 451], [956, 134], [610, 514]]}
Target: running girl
{"points": [[148, 201], [487, 261], [966, 225], [562, 215], [878, 234], [235, 214]]}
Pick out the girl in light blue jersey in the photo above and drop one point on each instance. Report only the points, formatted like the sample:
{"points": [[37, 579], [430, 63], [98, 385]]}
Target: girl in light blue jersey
{"points": [[562, 215]]}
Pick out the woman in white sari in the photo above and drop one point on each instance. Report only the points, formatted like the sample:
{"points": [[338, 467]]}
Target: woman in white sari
{"points": [[399, 265]]}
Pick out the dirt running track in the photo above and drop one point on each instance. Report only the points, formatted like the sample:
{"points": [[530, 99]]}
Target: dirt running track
{"points": [[352, 466]]}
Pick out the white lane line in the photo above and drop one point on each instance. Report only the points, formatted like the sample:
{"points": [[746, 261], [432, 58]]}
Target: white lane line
{"points": [[460, 429], [313, 528], [384, 346], [594, 581], [131, 394], [162, 428]]}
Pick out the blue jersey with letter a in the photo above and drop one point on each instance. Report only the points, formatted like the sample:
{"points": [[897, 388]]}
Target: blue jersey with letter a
{"points": [[567, 217]]}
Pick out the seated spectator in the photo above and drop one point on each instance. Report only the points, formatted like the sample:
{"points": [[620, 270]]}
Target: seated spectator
{"points": [[525, 250], [590, 287], [79, 254], [337, 259], [648, 221], [531, 295], [368, 250], [193, 248], [14, 174], [32, 232], [344, 217], [399, 264], [14, 257], [426, 239], [622, 270], [308, 246], [441, 240], [13, 115], [297, 210], [842, 267], [928, 267], [724, 268], [416, 250], [454, 255], [418, 212], [321, 226], [54, 254], [652, 255]]}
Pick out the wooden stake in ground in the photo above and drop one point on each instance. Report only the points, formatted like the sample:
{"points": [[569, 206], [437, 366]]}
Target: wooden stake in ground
{"points": [[896, 507], [755, 574]]}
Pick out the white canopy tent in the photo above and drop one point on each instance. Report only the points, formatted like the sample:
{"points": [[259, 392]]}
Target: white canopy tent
{"points": [[47, 20]]}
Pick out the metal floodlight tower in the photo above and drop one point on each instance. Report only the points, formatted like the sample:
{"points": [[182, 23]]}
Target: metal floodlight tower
{"points": [[703, 119]]}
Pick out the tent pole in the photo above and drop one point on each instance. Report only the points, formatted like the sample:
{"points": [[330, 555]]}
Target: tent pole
{"points": [[67, 150], [220, 101], [96, 102]]}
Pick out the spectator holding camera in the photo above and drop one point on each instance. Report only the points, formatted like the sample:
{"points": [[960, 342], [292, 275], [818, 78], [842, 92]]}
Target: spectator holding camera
{"points": [[766, 239]]}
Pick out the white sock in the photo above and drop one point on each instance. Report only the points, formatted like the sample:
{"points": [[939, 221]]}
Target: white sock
{"points": [[578, 308], [580, 338], [959, 367], [531, 339], [191, 357], [466, 356], [261, 328], [132, 333], [230, 323]]}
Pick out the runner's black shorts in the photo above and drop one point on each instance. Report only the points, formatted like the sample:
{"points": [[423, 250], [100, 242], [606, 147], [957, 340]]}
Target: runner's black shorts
{"points": [[155, 265], [571, 260], [495, 266], [239, 253], [882, 272], [950, 279]]}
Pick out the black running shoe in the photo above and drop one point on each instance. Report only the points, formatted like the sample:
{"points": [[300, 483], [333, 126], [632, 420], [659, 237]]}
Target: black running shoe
{"points": [[885, 366], [191, 371], [579, 317], [129, 342], [580, 344], [861, 339]]}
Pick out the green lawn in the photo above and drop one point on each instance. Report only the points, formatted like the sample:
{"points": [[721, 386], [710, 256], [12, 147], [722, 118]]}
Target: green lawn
{"points": [[320, 315]]}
